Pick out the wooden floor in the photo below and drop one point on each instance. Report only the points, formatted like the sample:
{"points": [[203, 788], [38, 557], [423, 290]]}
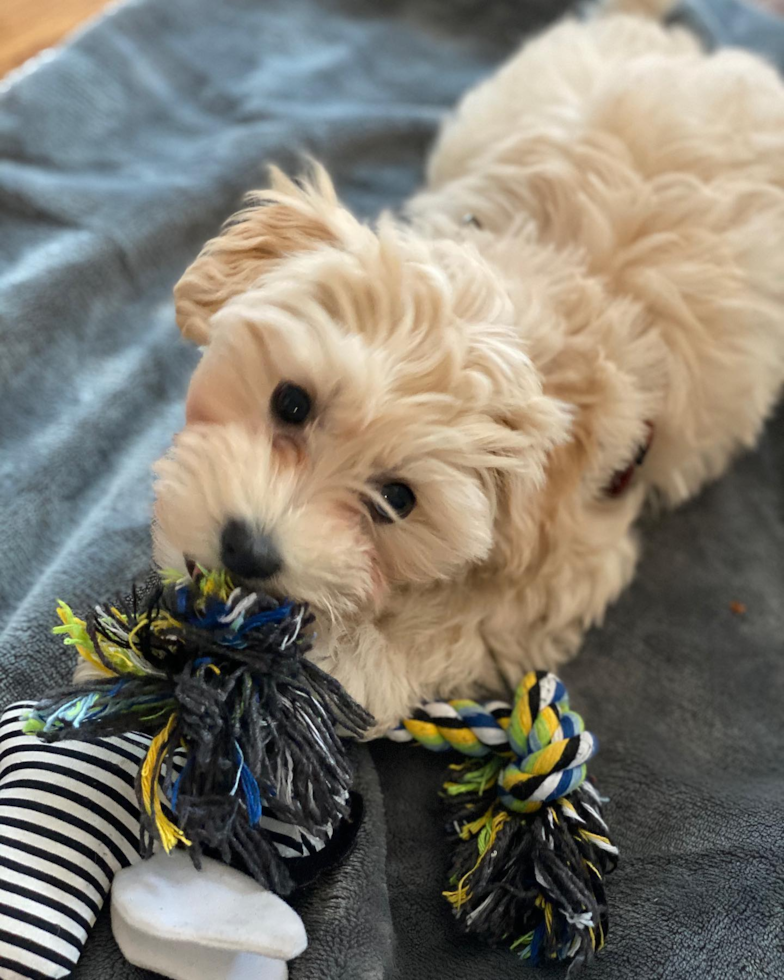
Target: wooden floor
{"points": [[27, 26]]}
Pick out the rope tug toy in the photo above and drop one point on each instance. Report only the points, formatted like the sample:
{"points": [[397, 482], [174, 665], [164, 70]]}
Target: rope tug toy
{"points": [[243, 725], [531, 846]]}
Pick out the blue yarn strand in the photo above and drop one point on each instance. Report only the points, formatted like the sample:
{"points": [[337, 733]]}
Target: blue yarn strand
{"points": [[250, 788], [175, 790], [252, 793]]}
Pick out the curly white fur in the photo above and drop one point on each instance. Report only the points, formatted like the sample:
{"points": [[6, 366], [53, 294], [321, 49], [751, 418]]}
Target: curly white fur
{"points": [[628, 267]]}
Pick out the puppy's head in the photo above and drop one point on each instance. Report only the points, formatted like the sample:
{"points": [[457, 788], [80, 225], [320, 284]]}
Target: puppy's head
{"points": [[362, 414]]}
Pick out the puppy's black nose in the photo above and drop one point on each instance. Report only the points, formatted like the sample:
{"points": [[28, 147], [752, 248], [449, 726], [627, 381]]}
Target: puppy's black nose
{"points": [[248, 553]]}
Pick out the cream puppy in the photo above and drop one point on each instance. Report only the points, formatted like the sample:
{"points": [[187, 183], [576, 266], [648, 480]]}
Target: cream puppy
{"points": [[428, 428]]}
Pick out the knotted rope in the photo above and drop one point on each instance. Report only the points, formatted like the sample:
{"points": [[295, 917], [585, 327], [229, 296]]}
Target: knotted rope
{"points": [[531, 846]]}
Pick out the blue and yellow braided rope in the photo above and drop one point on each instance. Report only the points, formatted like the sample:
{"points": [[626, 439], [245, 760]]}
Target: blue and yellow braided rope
{"points": [[549, 743], [545, 742], [471, 728]]}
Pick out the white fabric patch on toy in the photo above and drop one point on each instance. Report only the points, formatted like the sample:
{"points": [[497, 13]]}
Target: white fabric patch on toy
{"points": [[199, 926], [69, 821]]}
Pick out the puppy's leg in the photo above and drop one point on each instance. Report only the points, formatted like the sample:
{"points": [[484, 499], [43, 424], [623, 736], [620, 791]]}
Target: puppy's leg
{"points": [[418, 653], [540, 624]]}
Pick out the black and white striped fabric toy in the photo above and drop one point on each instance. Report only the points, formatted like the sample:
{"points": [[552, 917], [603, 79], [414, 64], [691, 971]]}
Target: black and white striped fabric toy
{"points": [[69, 822]]}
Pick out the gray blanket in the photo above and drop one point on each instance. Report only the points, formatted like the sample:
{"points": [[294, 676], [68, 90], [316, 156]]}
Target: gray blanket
{"points": [[119, 155]]}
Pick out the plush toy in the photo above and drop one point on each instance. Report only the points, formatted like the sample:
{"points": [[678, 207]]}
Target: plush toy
{"points": [[69, 830], [205, 729], [209, 731], [219, 674]]}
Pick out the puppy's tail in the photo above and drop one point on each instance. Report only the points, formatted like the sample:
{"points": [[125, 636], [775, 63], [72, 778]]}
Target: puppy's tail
{"points": [[652, 9]]}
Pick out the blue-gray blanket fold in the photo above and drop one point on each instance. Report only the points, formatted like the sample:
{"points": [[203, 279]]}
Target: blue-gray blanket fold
{"points": [[119, 155]]}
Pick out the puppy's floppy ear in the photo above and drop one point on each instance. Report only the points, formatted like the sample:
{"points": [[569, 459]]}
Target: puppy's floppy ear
{"points": [[537, 435], [286, 219], [538, 430]]}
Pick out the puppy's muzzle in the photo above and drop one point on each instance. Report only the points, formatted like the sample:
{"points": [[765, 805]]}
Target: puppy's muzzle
{"points": [[248, 553]]}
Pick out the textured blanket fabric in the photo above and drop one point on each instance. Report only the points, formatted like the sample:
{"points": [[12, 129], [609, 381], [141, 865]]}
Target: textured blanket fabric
{"points": [[119, 155]]}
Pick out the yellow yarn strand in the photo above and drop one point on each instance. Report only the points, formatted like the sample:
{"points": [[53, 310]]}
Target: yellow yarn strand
{"points": [[473, 828], [547, 908], [567, 806], [170, 834], [543, 762], [142, 622], [596, 838], [163, 621], [521, 707], [551, 718], [492, 824], [593, 868], [419, 728]]}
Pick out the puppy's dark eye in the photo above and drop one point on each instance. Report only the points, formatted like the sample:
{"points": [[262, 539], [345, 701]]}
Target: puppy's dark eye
{"points": [[401, 500], [290, 403]]}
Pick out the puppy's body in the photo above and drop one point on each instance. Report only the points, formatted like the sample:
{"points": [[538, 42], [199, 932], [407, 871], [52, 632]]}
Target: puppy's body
{"points": [[624, 268]]}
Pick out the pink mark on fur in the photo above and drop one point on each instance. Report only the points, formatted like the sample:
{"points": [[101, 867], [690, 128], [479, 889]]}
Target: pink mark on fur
{"points": [[378, 582], [288, 451], [197, 410]]}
